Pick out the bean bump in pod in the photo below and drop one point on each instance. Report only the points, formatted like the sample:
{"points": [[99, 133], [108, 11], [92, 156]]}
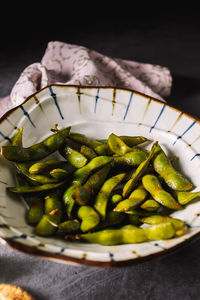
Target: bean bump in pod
{"points": [[153, 186], [174, 179]]}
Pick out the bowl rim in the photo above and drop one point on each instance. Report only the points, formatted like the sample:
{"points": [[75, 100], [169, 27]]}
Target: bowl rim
{"points": [[57, 257]]}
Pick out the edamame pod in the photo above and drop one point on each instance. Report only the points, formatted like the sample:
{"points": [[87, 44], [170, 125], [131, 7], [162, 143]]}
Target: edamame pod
{"points": [[157, 219], [173, 178], [83, 139], [133, 140], [133, 158], [116, 198], [103, 195], [48, 224], [150, 205], [35, 189], [136, 198], [59, 174], [117, 145], [185, 197], [36, 151], [103, 150], [41, 167], [75, 158], [161, 231], [88, 152], [69, 226], [17, 139], [79, 178], [34, 178], [109, 237], [90, 218], [81, 175], [83, 194], [68, 199], [35, 212], [139, 172], [153, 186]]}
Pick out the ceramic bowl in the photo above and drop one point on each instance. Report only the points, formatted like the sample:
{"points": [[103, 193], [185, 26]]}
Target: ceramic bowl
{"points": [[97, 112]]}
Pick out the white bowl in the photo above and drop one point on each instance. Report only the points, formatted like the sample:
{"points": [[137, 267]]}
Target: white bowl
{"points": [[97, 112]]}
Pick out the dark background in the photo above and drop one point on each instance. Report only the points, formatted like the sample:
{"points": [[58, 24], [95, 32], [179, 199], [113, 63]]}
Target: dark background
{"points": [[166, 36]]}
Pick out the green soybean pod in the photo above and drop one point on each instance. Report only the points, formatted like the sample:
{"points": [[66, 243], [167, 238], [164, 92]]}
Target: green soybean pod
{"points": [[83, 139], [130, 184], [133, 158], [150, 205], [132, 141], [35, 212], [116, 198], [174, 179], [185, 197], [17, 139], [48, 224], [59, 174], [35, 179], [102, 198], [37, 151], [158, 219], [117, 145], [136, 198], [88, 152], [153, 186], [76, 159], [81, 175], [69, 226], [84, 193], [161, 231], [109, 237], [41, 167], [90, 218], [34, 189]]}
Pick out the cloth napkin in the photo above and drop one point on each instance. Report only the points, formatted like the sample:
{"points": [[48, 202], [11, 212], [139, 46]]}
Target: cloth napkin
{"points": [[73, 64]]}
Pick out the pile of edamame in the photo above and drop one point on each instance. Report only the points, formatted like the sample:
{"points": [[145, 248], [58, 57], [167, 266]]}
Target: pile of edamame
{"points": [[109, 192]]}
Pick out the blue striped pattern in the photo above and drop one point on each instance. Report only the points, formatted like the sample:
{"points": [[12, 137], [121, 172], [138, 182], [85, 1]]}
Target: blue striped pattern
{"points": [[53, 95], [15, 237], [96, 101], [128, 106], [27, 115], [5, 137], [196, 155], [157, 119], [111, 255], [159, 246], [180, 136]]}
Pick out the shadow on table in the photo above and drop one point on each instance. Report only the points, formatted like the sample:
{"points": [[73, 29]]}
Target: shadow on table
{"points": [[185, 94]]}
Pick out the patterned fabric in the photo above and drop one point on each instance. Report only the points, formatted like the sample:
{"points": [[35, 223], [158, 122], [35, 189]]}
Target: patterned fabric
{"points": [[72, 64]]}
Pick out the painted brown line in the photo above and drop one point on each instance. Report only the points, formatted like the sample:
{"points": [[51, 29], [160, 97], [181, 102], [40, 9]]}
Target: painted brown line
{"points": [[113, 101], [189, 145], [11, 123], [79, 98], [37, 101], [177, 120], [3, 182], [145, 111]]}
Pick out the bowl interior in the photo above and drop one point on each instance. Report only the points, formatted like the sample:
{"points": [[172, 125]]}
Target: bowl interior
{"points": [[98, 112]]}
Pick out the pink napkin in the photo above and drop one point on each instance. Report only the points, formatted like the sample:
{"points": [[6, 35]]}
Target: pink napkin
{"points": [[72, 64]]}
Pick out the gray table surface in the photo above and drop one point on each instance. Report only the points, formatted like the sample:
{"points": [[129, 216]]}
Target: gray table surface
{"points": [[172, 41]]}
